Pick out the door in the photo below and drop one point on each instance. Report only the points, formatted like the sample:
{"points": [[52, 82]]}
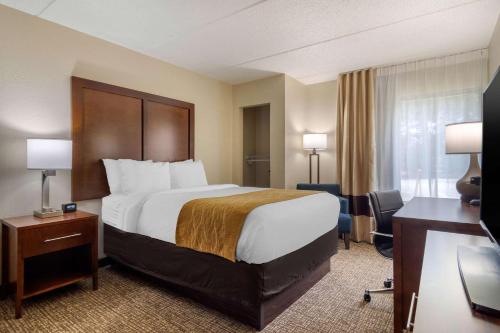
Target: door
{"points": [[256, 146]]}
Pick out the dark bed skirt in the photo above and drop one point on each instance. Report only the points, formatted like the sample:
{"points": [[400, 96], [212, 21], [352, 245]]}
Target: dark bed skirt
{"points": [[252, 293]]}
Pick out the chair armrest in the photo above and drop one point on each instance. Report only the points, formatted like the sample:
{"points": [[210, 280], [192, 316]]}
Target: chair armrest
{"points": [[333, 189], [380, 234], [344, 205]]}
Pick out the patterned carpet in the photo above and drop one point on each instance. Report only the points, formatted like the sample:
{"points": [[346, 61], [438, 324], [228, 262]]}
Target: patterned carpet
{"points": [[128, 302]]}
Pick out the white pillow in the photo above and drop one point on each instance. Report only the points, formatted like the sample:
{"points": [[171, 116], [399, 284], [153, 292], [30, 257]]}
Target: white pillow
{"points": [[144, 176], [181, 162], [113, 174], [187, 174], [160, 176]]}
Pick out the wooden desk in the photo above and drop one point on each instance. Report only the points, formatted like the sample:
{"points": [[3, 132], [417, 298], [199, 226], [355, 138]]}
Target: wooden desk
{"points": [[442, 304], [410, 225]]}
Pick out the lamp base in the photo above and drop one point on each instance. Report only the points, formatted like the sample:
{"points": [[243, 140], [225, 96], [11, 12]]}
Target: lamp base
{"points": [[469, 191], [314, 153], [48, 212]]}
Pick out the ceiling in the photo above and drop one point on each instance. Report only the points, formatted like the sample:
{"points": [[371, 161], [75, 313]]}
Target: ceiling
{"points": [[311, 40]]}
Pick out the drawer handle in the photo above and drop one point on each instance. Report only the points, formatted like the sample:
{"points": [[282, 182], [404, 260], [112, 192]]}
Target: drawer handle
{"points": [[409, 324], [62, 237]]}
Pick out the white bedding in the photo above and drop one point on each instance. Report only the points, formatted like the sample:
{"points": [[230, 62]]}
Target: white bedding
{"points": [[270, 231]]}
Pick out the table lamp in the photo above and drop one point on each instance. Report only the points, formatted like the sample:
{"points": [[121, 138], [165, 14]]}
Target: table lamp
{"points": [[466, 138], [48, 155], [314, 142]]}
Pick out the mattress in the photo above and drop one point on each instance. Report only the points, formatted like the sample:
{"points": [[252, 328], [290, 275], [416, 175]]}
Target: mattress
{"points": [[270, 231]]}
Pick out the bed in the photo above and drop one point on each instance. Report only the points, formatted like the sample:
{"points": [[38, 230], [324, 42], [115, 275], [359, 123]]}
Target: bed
{"points": [[284, 248]]}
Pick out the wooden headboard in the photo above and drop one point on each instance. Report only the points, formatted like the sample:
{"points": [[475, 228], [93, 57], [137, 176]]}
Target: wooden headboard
{"points": [[115, 122]]}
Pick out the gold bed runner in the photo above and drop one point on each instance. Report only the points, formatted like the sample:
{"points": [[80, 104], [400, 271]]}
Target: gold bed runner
{"points": [[213, 225]]}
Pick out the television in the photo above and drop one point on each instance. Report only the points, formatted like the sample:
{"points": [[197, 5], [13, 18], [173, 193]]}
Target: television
{"points": [[490, 179], [480, 265]]}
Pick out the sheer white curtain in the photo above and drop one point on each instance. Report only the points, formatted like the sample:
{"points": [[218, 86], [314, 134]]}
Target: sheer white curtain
{"points": [[414, 103]]}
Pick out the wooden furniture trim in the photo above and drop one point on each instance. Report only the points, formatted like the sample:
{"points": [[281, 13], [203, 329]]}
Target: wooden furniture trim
{"points": [[5, 260], [100, 86], [148, 146], [15, 236], [418, 209], [61, 236], [77, 87], [410, 224], [30, 222], [66, 282], [397, 262]]}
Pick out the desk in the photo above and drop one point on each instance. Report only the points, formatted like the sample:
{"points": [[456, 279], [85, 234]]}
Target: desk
{"points": [[442, 304], [410, 225]]}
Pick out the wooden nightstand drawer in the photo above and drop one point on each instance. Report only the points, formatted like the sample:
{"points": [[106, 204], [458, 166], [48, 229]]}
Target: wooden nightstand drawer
{"points": [[56, 237]]}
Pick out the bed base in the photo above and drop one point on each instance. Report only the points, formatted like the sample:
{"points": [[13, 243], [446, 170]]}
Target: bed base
{"points": [[254, 294]]}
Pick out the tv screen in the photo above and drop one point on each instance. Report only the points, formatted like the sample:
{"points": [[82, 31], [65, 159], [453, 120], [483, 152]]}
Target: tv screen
{"points": [[490, 181]]}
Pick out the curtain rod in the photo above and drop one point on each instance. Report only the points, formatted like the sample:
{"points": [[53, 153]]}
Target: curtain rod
{"points": [[416, 60]]}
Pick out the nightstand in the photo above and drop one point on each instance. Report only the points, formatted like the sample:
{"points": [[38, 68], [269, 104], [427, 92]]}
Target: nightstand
{"points": [[48, 253]]}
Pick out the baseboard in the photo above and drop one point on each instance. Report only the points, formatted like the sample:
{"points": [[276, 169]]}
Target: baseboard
{"points": [[106, 261], [8, 289]]}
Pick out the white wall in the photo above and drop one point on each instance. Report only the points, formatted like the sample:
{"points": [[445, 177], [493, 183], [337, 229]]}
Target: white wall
{"points": [[37, 59], [494, 50]]}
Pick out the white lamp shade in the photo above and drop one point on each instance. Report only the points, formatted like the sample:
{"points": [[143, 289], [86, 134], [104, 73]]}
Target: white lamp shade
{"points": [[464, 138], [314, 141], [49, 154]]}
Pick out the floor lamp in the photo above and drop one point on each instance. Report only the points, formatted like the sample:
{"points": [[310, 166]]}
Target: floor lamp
{"points": [[314, 142]]}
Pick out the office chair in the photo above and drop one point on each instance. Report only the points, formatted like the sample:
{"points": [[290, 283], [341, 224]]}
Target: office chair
{"points": [[384, 205]]}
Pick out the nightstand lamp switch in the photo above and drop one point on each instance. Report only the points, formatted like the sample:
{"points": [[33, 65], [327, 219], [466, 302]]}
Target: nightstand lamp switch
{"points": [[48, 155]]}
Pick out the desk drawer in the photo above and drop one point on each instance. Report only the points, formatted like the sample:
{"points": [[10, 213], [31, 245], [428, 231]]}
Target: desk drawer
{"points": [[57, 237]]}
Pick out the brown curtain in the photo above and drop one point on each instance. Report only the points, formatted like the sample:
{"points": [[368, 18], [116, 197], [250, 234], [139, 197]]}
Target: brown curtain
{"points": [[355, 146]]}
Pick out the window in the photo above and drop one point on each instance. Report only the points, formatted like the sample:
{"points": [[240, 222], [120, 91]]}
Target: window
{"points": [[414, 103]]}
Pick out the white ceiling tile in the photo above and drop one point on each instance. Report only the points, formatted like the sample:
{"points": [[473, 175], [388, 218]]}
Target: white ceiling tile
{"points": [[141, 24], [33, 7], [242, 40], [284, 25], [236, 75], [432, 35]]}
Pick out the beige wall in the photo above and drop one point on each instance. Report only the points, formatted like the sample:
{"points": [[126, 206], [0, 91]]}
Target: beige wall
{"points": [[309, 109], [322, 108], [37, 59], [296, 116], [266, 91], [494, 50], [295, 109]]}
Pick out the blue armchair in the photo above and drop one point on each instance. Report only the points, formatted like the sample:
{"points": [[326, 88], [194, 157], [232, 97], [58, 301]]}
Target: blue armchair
{"points": [[345, 219]]}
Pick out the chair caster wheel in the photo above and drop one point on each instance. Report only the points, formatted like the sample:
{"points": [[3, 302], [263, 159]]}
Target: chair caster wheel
{"points": [[387, 283], [367, 297]]}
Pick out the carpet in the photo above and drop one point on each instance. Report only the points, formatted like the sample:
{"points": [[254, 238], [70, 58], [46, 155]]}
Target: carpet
{"points": [[128, 302]]}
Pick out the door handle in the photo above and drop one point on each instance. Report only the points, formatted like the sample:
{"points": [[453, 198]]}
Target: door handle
{"points": [[409, 324]]}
